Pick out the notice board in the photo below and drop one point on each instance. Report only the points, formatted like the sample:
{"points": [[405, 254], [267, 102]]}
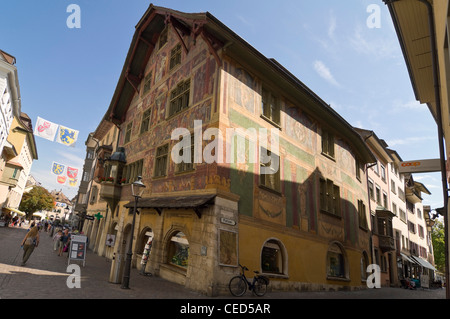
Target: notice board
{"points": [[77, 248]]}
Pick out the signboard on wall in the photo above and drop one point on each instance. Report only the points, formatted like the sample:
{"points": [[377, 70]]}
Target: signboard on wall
{"points": [[420, 166]]}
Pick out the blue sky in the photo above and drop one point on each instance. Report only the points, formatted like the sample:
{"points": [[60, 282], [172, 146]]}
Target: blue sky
{"points": [[68, 76]]}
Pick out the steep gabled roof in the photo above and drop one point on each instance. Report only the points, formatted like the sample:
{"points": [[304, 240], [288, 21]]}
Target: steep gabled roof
{"points": [[218, 36]]}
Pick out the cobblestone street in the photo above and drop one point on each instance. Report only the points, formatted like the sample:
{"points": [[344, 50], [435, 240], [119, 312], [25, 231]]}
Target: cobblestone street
{"points": [[45, 276]]}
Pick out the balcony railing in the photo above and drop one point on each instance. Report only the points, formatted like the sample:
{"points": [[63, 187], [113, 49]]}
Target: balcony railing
{"points": [[386, 243]]}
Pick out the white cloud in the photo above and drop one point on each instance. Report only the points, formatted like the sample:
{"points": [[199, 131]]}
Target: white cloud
{"points": [[325, 73], [377, 47], [410, 140], [332, 26], [413, 105], [71, 159]]}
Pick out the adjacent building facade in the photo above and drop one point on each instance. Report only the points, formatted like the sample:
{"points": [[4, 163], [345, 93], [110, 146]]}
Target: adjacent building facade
{"points": [[422, 30], [14, 176]]}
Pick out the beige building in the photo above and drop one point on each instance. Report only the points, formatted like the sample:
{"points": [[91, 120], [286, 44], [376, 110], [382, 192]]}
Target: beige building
{"points": [[16, 171]]}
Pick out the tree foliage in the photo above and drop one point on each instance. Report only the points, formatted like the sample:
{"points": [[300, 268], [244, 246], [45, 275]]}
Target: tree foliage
{"points": [[438, 238], [35, 200]]}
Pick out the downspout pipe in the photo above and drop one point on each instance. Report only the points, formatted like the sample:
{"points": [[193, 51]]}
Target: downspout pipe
{"points": [[437, 94]]}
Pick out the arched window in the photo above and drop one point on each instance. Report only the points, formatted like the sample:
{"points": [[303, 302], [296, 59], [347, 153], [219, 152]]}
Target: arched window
{"points": [[336, 262], [364, 264], [272, 257], [178, 250]]}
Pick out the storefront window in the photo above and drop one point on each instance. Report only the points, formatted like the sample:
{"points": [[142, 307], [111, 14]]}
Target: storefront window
{"points": [[364, 264], [335, 262], [179, 250], [272, 258]]}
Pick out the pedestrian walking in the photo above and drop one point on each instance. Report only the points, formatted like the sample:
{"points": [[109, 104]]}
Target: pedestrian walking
{"points": [[65, 238], [30, 241], [57, 240]]}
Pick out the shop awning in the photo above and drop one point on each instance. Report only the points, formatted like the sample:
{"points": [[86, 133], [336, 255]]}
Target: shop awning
{"points": [[195, 202], [409, 258], [424, 263], [15, 211]]}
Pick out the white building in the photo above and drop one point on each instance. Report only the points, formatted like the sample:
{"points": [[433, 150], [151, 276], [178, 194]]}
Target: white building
{"points": [[9, 97]]}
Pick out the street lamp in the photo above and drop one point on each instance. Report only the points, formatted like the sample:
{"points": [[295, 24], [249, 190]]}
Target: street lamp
{"points": [[137, 188]]}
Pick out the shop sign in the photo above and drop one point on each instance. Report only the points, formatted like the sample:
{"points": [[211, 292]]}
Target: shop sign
{"points": [[420, 166], [227, 221]]}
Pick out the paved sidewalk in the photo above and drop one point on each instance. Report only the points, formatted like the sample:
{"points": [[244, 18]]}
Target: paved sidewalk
{"points": [[45, 277]]}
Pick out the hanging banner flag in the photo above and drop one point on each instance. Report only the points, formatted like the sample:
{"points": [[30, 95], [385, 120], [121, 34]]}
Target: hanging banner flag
{"points": [[45, 129], [58, 169], [72, 172], [61, 179], [73, 182], [66, 136]]}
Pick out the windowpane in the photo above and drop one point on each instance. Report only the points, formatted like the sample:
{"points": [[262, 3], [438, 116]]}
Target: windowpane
{"points": [[178, 253], [271, 258]]}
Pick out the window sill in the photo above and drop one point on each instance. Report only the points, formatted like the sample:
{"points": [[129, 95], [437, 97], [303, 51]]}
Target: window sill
{"points": [[274, 275], [338, 279], [188, 171], [270, 121], [276, 192], [330, 214], [328, 156]]}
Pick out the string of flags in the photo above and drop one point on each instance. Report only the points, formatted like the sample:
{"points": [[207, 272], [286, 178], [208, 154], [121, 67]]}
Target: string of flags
{"points": [[55, 132], [65, 174]]}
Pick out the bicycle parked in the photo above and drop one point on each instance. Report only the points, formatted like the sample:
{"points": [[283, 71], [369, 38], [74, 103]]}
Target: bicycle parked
{"points": [[238, 284]]}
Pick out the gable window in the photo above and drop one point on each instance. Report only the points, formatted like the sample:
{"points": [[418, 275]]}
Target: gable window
{"points": [[145, 124], [179, 97], [330, 197], [270, 106], [161, 160], [269, 170], [147, 82], [327, 143], [175, 56], [163, 37], [128, 132]]}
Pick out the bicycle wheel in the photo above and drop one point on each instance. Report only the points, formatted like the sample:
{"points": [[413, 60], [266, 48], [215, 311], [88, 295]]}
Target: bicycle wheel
{"points": [[260, 287], [237, 286]]}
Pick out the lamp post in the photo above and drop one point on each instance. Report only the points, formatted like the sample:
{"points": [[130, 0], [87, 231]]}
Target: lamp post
{"points": [[137, 188]]}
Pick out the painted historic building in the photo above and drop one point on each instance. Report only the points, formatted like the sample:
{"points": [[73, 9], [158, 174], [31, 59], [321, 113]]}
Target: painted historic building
{"points": [[271, 177]]}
